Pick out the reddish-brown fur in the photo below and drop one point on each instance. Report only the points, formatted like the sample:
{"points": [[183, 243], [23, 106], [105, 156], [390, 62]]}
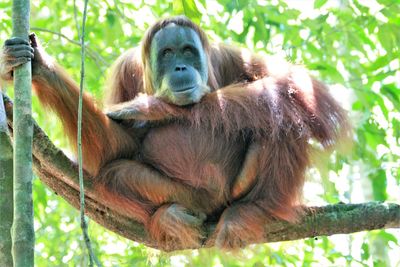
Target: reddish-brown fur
{"points": [[238, 155]]}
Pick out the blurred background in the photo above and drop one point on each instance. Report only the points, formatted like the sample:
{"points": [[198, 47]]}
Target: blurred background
{"points": [[353, 46]]}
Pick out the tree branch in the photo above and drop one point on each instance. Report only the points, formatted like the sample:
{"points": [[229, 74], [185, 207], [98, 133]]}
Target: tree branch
{"points": [[61, 175]]}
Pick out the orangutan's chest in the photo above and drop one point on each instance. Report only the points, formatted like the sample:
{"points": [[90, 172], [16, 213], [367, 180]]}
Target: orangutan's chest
{"points": [[192, 154]]}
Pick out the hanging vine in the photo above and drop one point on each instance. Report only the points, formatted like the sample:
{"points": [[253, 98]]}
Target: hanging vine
{"points": [[84, 223]]}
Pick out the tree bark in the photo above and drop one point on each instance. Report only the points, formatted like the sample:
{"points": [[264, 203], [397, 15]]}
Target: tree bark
{"points": [[60, 174], [6, 189], [23, 234]]}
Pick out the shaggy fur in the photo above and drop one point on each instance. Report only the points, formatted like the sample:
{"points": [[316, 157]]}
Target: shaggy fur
{"points": [[238, 156]]}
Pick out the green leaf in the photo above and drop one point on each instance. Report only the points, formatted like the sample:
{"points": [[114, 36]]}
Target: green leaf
{"points": [[319, 3], [388, 237], [374, 135], [187, 8], [383, 107], [262, 33], [393, 94], [380, 62], [386, 37], [396, 128], [110, 16], [379, 185], [365, 251], [328, 70]]}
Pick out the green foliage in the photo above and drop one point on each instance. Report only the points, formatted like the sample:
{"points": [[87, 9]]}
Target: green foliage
{"points": [[188, 8], [319, 3], [351, 45]]}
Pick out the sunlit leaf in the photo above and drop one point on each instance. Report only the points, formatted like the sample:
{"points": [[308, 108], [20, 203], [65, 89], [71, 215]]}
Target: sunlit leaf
{"points": [[379, 185], [388, 237], [110, 17], [319, 3], [365, 251], [392, 92], [187, 8]]}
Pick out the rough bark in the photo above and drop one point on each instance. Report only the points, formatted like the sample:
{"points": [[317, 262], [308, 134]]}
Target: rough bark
{"points": [[23, 234], [6, 190], [60, 174]]}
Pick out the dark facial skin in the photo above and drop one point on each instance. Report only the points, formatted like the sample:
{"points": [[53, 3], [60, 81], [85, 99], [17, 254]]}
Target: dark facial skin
{"points": [[179, 65]]}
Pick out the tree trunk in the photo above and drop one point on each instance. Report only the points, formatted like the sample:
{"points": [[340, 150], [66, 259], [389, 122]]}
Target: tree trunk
{"points": [[6, 189], [23, 234]]}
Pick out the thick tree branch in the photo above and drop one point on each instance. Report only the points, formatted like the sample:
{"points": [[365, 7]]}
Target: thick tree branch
{"points": [[60, 174]]}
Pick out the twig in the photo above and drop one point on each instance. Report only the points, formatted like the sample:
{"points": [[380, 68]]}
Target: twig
{"points": [[121, 13], [92, 54], [84, 224], [76, 19]]}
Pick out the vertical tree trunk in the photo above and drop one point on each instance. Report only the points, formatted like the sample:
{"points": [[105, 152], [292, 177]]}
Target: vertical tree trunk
{"points": [[6, 189], [23, 232]]}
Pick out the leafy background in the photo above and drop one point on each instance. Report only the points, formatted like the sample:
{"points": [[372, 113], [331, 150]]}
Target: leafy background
{"points": [[351, 45]]}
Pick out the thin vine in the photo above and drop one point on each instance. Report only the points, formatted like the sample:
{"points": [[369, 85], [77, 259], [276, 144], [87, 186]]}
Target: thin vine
{"points": [[84, 224]]}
